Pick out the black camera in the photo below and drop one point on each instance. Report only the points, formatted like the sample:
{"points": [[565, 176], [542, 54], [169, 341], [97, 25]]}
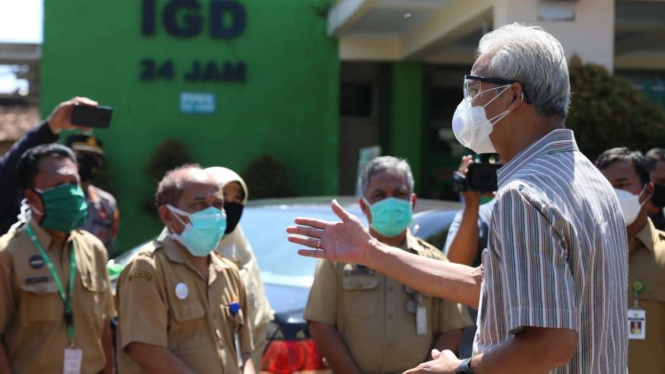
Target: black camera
{"points": [[481, 177]]}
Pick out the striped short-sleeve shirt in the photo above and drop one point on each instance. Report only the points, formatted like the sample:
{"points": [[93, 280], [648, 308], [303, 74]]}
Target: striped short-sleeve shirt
{"points": [[557, 256]]}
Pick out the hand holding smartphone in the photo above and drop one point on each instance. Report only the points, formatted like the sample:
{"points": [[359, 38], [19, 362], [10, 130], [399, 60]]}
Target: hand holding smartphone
{"points": [[89, 116]]}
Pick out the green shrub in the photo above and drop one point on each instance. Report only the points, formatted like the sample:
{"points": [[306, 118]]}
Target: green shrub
{"points": [[267, 178], [167, 156]]}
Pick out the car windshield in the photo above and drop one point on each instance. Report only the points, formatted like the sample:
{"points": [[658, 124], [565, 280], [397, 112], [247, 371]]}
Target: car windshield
{"points": [[265, 229]]}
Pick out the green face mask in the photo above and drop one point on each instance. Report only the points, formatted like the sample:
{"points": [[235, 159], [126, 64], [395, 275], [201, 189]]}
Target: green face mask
{"points": [[390, 216], [65, 208]]}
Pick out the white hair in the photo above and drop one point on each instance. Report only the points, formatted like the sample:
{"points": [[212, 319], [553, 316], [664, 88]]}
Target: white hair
{"points": [[534, 58], [386, 164]]}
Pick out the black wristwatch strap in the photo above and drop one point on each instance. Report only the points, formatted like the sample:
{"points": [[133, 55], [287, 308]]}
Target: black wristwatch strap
{"points": [[465, 367]]}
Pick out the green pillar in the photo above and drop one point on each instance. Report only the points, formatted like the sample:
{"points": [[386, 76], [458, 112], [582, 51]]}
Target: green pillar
{"points": [[408, 126]]}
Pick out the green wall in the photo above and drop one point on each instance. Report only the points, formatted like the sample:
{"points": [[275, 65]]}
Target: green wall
{"points": [[407, 118], [288, 106]]}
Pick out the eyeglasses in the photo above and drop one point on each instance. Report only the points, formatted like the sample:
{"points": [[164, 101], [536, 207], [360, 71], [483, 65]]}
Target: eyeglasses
{"points": [[472, 85]]}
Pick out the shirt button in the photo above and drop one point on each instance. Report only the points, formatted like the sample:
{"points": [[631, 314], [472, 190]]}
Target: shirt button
{"points": [[390, 345], [390, 316], [219, 334], [390, 288]]}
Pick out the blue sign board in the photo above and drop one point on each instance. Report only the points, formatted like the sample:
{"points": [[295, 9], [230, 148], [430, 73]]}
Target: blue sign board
{"points": [[198, 103]]}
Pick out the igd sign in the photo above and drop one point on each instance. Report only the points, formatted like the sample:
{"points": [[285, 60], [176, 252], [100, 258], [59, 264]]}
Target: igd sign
{"points": [[227, 19], [192, 20]]}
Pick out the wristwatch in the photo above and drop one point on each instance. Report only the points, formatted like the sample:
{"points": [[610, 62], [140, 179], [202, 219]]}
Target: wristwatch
{"points": [[465, 367]]}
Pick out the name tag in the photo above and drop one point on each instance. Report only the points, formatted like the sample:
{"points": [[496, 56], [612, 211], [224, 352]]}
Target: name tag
{"points": [[72, 361], [421, 320], [637, 324], [36, 280]]}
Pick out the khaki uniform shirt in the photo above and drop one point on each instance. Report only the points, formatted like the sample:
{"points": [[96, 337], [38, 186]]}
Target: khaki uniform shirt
{"points": [[647, 265], [164, 301], [32, 322], [368, 310]]}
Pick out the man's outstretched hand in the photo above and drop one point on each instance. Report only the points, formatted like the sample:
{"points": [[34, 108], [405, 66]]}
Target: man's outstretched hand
{"points": [[347, 241]]}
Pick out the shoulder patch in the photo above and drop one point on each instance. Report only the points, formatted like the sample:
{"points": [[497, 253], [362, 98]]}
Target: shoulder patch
{"points": [[140, 274], [430, 250]]}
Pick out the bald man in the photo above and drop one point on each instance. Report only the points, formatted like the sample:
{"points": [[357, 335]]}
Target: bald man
{"points": [[182, 307]]}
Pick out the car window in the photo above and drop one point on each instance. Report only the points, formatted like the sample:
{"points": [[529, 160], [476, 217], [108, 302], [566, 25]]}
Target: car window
{"points": [[433, 226], [265, 229]]}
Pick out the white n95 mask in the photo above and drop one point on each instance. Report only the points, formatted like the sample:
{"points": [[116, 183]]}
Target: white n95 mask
{"points": [[630, 204], [471, 126]]}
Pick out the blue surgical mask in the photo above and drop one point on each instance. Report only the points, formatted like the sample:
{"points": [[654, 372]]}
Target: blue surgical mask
{"points": [[202, 235], [391, 216]]}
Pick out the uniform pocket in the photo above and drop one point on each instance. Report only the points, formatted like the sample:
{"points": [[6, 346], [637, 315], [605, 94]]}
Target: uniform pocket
{"points": [[41, 302], [93, 283], [93, 301], [187, 331], [360, 294], [187, 312]]}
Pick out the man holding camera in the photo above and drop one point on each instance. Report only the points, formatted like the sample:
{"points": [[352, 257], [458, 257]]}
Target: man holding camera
{"points": [[468, 234]]}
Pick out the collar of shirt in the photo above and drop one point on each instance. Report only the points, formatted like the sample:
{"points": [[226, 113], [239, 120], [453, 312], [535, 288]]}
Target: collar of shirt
{"points": [[648, 236], [177, 253], [44, 238], [559, 140], [411, 244], [92, 194]]}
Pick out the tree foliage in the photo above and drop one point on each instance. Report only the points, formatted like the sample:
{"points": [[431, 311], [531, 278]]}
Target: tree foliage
{"points": [[167, 156], [267, 178], [607, 112]]}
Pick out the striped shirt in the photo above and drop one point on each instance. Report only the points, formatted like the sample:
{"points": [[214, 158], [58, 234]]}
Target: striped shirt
{"points": [[557, 256]]}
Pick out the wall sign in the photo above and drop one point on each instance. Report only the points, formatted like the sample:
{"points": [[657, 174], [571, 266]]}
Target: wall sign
{"points": [[198, 103], [227, 19]]}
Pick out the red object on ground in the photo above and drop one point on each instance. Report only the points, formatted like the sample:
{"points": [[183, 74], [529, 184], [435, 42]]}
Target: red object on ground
{"points": [[290, 356]]}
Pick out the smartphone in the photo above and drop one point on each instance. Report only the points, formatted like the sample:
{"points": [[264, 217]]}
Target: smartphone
{"points": [[89, 116]]}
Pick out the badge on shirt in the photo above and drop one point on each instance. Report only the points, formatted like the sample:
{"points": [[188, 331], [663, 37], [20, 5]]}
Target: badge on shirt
{"points": [[637, 324], [36, 280], [421, 317], [72, 361], [36, 262], [181, 291]]}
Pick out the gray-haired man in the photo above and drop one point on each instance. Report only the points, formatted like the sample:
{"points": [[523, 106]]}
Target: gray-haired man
{"points": [[366, 322], [551, 288]]}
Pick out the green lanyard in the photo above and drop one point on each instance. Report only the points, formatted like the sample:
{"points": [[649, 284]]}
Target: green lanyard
{"points": [[66, 298]]}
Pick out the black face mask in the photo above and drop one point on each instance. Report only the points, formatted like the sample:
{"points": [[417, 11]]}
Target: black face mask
{"points": [[233, 214], [88, 167], [658, 198]]}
